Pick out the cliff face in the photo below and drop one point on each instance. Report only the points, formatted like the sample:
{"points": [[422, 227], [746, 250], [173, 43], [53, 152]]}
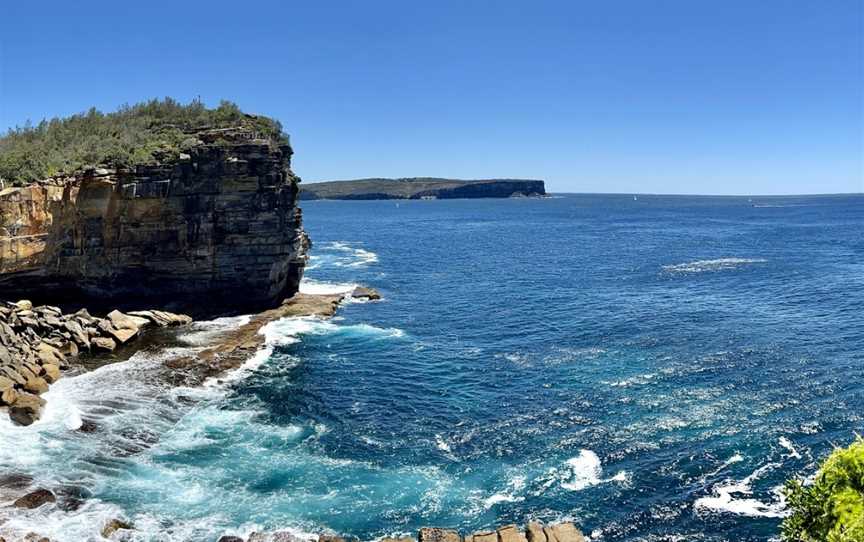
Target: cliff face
{"points": [[219, 224], [422, 187]]}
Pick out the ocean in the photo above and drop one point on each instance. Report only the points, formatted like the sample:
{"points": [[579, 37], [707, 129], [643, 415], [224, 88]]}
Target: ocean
{"points": [[652, 368]]}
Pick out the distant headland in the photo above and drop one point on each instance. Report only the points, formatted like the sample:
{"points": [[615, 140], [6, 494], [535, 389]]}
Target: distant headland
{"points": [[422, 188]]}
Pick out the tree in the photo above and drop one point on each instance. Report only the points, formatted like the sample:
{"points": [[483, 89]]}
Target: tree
{"points": [[832, 507]]}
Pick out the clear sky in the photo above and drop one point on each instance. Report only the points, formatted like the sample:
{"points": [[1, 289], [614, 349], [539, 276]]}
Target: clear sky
{"points": [[679, 96]]}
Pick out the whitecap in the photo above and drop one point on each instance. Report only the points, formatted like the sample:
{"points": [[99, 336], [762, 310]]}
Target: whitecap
{"points": [[580, 472], [720, 264], [724, 498], [786, 443]]}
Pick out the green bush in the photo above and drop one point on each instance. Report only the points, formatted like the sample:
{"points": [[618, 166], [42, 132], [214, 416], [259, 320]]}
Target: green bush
{"points": [[131, 135], [832, 507]]}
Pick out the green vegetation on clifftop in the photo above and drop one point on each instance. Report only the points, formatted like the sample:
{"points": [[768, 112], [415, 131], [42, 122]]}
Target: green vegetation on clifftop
{"points": [[831, 509], [134, 134]]}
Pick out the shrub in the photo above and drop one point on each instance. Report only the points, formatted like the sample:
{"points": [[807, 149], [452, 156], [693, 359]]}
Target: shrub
{"points": [[131, 135], [832, 507]]}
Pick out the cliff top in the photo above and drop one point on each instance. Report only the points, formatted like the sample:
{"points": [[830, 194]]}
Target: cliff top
{"points": [[148, 132]]}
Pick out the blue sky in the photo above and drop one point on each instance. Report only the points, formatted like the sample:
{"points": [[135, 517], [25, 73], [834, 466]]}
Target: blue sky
{"points": [[683, 96]]}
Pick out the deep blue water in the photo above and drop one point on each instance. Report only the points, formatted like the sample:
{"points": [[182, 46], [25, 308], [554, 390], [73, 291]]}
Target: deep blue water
{"points": [[652, 369]]}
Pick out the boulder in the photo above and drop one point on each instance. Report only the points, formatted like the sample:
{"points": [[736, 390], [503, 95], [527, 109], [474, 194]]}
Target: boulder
{"points": [[122, 336], [23, 305], [122, 321], [13, 375], [485, 536], [229, 538], [26, 409], [511, 533], [105, 344], [52, 372], [78, 334], [8, 396], [36, 384], [564, 532], [113, 526], [6, 383], [534, 532], [436, 534], [162, 318], [5, 355], [35, 499]]}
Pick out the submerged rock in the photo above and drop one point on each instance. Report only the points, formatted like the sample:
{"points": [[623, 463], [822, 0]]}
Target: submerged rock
{"points": [[35, 499]]}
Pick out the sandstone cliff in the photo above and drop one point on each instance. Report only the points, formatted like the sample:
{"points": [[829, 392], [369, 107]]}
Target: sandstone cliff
{"points": [[217, 226]]}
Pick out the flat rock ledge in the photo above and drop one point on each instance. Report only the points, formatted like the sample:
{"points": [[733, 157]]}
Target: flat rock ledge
{"points": [[534, 532], [38, 343], [236, 346]]}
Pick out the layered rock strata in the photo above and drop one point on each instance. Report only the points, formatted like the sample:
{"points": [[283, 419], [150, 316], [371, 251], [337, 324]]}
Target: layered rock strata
{"points": [[38, 343], [219, 223]]}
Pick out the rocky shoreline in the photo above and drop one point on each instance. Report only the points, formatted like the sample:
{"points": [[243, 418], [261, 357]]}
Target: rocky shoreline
{"points": [[533, 532], [38, 343]]}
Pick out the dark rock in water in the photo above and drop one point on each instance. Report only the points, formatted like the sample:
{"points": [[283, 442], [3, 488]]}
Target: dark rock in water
{"points": [[88, 426], [113, 526], [361, 292], [228, 538], [26, 409], [35, 499]]}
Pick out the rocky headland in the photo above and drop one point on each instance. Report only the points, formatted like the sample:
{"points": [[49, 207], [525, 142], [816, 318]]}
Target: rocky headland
{"points": [[218, 220], [422, 188]]}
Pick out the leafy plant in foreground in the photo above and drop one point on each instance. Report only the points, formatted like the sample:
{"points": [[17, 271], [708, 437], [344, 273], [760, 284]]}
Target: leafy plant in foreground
{"points": [[832, 507]]}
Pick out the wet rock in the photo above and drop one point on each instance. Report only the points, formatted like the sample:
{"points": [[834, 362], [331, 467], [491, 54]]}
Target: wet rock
{"points": [[34, 537], [26, 409], [228, 538], [400, 539], [88, 426], [113, 526], [436, 534], [35, 499]]}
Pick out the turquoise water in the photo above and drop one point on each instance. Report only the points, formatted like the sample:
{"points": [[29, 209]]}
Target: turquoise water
{"points": [[652, 369]]}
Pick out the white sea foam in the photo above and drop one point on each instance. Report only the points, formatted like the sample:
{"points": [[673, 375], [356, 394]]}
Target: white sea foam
{"points": [[786, 443], [580, 472], [314, 287], [720, 264], [346, 255], [732, 498]]}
